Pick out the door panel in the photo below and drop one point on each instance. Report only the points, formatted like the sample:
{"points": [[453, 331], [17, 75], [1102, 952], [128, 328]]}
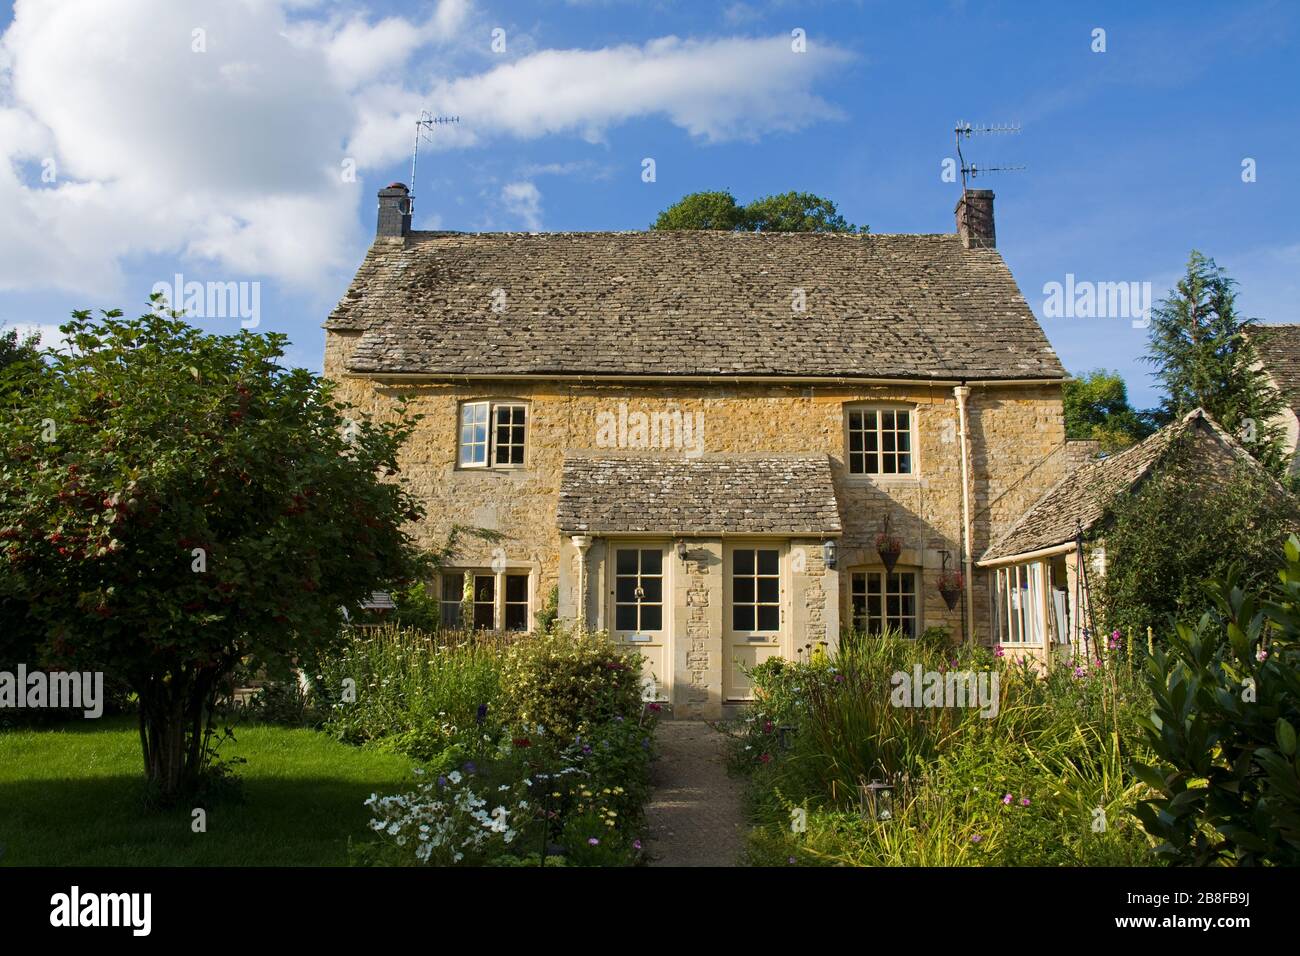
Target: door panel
{"points": [[638, 598], [754, 614]]}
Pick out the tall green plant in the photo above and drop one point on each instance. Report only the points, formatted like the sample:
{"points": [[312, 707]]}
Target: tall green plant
{"points": [[1223, 728]]}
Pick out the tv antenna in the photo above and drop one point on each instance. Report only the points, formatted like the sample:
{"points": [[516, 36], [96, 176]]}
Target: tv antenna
{"points": [[972, 170], [424, 130]]}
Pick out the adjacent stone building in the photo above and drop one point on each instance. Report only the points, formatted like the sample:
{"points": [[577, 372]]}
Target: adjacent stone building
{"points": [[700, 438]]}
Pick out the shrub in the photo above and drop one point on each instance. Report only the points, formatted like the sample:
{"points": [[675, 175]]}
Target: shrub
{"points": [[569, 681], [1227, 704]]}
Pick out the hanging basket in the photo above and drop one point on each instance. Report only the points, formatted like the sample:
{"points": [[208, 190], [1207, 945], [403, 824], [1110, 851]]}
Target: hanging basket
{"points": [[888, 547], [950, 596], [950, 585]]}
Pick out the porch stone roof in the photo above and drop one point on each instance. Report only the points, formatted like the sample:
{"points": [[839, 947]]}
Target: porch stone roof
{"points": [[629, 492], [1085, 496], [696, 303]]}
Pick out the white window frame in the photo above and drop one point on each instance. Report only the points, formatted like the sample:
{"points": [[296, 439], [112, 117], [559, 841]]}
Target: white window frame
{"points": [[498, 593], [488, 445], [885, 594], [1019, 597], [879, 410]]}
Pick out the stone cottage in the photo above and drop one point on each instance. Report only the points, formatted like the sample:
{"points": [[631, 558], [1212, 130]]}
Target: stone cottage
{"points": [[1277, 348], [702, 439]]}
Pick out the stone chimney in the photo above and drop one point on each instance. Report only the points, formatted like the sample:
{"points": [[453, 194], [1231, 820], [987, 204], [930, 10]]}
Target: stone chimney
{"points": [[394, 212], [975, 219]]}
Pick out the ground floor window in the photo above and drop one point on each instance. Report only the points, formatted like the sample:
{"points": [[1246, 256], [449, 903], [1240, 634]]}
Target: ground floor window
{"points": [[639, 589], [884, 600], [1019, 603], [510, 613]]}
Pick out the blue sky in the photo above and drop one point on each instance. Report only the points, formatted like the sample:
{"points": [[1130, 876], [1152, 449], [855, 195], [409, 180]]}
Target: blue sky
{"points": [[223, 165]]}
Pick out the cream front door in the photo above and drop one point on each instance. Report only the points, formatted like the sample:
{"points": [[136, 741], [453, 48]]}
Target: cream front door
{"points": [[753, 614], [638, 597]]}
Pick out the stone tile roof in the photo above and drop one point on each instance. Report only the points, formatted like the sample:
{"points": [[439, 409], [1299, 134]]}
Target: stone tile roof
{"points": [[691, 303], [1084, 496], [712, 494], [1278, 348]]}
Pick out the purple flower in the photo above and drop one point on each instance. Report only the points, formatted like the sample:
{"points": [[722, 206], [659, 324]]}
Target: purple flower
{"points": [[839, 678], [1024, 801], [636, 844], [1262, 656], [1007, 799], [593, 841], [470, 767], [442, 781], [997, 650], [1081, 671], [975, 838]]}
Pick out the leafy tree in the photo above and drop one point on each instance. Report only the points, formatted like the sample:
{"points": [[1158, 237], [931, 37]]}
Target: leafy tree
{"points": [[706, 210], [1203, 358], [174, 503], [795, 212], [1183, 526], [1226, 698], [787, 212], [20, 361], [1097, 407]]}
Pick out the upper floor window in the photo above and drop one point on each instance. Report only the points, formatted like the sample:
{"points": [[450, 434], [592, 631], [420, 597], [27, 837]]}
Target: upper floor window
{"points": [[492, 434], [880, 441]]}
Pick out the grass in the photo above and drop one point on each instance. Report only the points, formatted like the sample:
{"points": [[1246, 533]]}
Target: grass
{"points": [[73, 794]]}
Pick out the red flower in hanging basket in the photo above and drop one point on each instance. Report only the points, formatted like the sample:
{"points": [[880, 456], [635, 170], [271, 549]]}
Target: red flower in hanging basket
{"points": [[887, 543], [950, 585]]}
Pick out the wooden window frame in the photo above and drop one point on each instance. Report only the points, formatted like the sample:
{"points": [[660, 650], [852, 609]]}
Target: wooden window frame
{"points": [[879, 409], [490, 445]]}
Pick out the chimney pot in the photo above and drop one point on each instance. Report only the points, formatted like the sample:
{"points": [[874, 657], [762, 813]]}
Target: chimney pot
{"points": [[975, 219], [394, 212]]}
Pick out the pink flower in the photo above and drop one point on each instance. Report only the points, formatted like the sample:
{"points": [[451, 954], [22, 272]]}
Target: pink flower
{"points": [[1007, 799], [1262, 656], [975, 838], [765, 758], [593, 841], [767, 727], [1024, 801], [997, 650], [636, 844], [1080, 671], [1097, 663]]}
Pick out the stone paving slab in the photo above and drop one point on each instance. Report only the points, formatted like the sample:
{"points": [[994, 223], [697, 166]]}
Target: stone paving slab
{"points": [[694, 815]]}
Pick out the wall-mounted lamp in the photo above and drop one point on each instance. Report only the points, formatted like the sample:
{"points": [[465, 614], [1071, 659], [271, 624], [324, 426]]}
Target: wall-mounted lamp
{"points": [[828, 553], [681, 550]]}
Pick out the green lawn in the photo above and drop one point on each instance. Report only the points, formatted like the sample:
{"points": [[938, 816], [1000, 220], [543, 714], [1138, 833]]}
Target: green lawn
{"points": [[72, 794]]}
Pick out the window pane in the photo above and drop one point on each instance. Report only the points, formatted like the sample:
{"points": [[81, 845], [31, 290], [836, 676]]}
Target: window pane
{"points": [[742, 617], [626, 561], [651, 617], [485, 587], [453, 587], [516, 617], [887, 441], [652, 561], [855, 441], [654, 590], [769, 618], [870, 438], [901, 420], [625, 617], [516, 587], [855, 421], [859, 583], [769, 590], [743, 590], [517, 455], [769, 561], [484, 616], [886, 420], [625, 590], [904, 464], [744, 561], [869, 421]]}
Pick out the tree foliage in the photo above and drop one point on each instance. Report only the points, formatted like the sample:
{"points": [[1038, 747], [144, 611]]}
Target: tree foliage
{"points": [[174, 502], [1097, 408], [1203, 357], [1180, 528], [786, 212], [1226, 698]]}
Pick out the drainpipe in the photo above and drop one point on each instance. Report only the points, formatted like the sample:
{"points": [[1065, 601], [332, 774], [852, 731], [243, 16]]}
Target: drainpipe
{"points": [[962, 393], [583, 543]]}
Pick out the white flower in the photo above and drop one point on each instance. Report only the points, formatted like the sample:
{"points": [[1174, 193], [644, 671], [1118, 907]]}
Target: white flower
{"points": [[454, 776]]}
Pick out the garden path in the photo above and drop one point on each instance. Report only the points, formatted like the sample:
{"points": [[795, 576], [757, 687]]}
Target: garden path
{"points": [[694, 815]]}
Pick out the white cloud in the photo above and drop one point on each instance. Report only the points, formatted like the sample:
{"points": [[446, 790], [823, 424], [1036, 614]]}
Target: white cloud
{"points": [[524, 199], [233, 158]]}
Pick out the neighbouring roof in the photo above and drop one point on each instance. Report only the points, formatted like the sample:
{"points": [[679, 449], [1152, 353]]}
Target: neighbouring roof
{"points": [[1083, 497], [379, 601], [690, 303], [605, 493], [1278, 348]]}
